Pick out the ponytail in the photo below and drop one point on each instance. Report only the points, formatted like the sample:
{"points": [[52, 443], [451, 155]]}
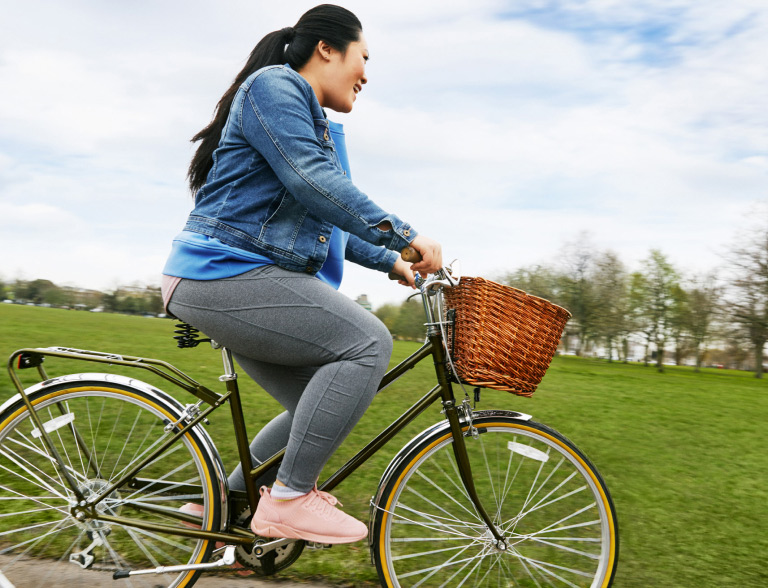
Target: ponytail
{"points": [[293, 45]]}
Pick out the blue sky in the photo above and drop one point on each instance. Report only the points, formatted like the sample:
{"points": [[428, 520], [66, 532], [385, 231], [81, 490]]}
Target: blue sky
{"points": [[502, 129]]}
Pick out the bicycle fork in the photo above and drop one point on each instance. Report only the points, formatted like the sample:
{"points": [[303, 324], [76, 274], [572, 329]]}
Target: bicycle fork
{"points": [[459, 444]]}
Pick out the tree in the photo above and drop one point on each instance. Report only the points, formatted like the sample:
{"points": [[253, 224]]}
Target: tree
{"points": [[154, 300], [409, 323], [611, 289], [536, 280], [578, 293], [680, 322], [387, 314], [661, 280], [639, 317], [405, 321], [703, 303], [749, 289], [33, 291]]}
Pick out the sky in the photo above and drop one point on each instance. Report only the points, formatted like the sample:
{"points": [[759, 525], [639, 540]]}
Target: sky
{"points": [[502, 129]]}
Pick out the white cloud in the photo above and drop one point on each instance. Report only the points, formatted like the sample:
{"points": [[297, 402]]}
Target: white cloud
{"points": [[503, 137]]}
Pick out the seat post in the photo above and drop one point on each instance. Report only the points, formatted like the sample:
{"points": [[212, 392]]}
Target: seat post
{"points": [[229, 366]]}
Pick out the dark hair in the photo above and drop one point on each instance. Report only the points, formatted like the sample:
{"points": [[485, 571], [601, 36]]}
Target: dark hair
{"points": [[335, 25]]}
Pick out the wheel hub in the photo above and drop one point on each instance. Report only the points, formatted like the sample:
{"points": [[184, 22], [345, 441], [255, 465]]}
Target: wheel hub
{"points": [[81, 512]]}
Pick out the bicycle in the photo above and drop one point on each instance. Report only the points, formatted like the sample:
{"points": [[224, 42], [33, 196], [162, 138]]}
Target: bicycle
{"points": [[95, 466]]}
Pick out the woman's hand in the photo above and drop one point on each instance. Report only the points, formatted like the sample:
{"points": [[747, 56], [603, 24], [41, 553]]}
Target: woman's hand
{"points": [[403, 268], [431, 255]]}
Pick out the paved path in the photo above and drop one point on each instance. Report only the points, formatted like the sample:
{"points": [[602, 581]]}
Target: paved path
{"points": [[36, 575]]}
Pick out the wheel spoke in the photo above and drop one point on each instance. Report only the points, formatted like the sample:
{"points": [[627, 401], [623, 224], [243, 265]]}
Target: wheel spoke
{"points": [[435, 520], [126, 444], [40, 483], [25, 443], [446, 494], [59, 526], [448, 514], [547, 568], [496, 499], [450, 560], [440, 567]]}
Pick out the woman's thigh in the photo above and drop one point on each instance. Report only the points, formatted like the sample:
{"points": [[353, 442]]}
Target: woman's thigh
{"points": [[287, 318]]}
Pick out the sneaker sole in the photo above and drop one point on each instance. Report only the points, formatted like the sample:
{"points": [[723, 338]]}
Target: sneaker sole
{"points": [[275, 530]]}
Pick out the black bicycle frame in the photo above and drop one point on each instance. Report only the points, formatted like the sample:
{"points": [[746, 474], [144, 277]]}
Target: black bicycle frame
{"points": [[433, 347]]}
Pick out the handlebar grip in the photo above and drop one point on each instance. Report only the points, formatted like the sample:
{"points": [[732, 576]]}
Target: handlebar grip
{"points": [[410, 255]]}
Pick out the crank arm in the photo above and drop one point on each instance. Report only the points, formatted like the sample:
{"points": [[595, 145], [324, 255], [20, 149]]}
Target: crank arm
{"points": [[227, 560], [261, 549]]}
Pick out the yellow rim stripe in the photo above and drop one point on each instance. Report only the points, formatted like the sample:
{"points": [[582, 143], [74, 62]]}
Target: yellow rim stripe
{"points": [[499, 424], [169, 416]]}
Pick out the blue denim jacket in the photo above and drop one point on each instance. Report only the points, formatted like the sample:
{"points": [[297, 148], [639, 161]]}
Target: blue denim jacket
{"points": [[277, 187]]}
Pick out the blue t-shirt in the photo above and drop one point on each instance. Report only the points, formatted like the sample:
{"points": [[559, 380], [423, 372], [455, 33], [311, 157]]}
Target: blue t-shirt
{"points": [[199, 257]]}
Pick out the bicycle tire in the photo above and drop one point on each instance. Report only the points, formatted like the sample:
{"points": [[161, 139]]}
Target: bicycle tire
{"points": [[117, 423], [548, 501]]}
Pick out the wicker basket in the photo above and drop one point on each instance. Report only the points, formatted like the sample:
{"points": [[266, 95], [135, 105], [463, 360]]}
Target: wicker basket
{"points": [[503, 338]]}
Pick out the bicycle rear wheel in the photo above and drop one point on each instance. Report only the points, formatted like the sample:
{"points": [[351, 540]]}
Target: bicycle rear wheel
{"points": [[547, 500], [100, 429]]}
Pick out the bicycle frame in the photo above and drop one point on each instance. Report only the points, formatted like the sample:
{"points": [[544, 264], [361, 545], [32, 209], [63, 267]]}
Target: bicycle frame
{"points": [[433, 347]]}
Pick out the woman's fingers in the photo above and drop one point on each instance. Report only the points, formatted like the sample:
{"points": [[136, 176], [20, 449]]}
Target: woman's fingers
{"points": [[403, 269], [431, 255]]}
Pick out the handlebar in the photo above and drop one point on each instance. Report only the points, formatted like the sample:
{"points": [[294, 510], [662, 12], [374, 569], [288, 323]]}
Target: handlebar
{"points": [[408, 254], [448, 276]]}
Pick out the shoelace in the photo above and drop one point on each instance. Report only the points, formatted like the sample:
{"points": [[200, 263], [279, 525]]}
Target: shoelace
{"points": [[329, 498]]}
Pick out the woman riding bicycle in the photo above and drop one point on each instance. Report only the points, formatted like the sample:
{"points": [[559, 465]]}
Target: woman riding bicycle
{"points": [[260, 259]]}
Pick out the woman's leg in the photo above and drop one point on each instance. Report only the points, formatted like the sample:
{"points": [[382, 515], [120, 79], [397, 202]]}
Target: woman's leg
{"points": [[285, 384], [273, 316]]}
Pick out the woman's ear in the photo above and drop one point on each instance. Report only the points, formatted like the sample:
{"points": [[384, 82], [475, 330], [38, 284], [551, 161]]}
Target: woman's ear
{"points": [[324, 50]]}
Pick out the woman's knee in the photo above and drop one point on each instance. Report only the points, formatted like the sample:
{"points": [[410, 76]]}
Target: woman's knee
{"points": [[381, 342]]}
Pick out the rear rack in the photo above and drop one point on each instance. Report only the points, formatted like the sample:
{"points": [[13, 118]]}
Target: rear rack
{"points": [[34, 357]]}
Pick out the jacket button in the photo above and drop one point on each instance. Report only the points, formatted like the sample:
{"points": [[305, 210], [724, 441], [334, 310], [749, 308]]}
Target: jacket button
{"points": [[325, 136], [406, 233], [322, 238], [309, 269]]}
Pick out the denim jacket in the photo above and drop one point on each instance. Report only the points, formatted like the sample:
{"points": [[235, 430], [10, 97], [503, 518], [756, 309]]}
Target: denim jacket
{"points": [[277, 187]]}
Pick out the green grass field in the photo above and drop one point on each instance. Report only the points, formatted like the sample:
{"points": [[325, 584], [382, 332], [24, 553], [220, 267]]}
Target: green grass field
{"points": [[683, 454]]}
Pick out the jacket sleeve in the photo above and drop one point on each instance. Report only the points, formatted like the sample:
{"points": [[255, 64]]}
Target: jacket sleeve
{"points": [[277, 121], [370, 256]]}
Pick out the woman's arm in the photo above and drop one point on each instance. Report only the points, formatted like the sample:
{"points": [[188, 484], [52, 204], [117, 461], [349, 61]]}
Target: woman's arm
{"points": [[277, 121]]}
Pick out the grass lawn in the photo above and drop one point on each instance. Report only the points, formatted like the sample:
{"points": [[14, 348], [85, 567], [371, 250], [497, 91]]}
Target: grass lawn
{"points": [[683, 454]]}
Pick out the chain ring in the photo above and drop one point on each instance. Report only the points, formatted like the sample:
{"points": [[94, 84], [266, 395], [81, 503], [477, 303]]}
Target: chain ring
{"points": [[284, 556]]}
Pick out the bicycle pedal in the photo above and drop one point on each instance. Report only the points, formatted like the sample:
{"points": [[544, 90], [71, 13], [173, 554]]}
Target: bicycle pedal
{"points": [[316, 545]]}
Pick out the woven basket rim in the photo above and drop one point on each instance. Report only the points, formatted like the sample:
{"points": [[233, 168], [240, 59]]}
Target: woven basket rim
{"points": [[565, 310]]}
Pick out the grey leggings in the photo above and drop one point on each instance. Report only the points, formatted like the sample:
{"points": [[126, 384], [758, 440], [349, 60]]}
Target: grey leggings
{"points": [[318, 353]]}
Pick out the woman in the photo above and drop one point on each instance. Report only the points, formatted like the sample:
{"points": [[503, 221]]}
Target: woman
{"points": [[260, 259]]}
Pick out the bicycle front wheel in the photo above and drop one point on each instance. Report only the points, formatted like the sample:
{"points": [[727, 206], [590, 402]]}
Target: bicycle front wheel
{"points": [[100, 429], [544, 496]]}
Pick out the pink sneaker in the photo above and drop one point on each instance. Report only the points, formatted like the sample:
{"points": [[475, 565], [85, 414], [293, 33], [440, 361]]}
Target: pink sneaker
{"points": [[312, 517], [192, 508]]}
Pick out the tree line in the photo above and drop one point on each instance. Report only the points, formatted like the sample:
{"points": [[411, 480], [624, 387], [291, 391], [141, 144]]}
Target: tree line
{"points": [[656, 314], [123, 299]]}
